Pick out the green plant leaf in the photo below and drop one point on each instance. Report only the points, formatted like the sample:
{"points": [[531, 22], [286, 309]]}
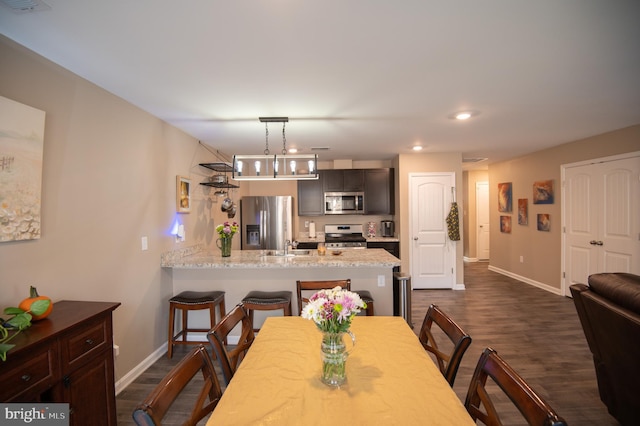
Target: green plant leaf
{"points": [[21, 321], [13, 311], [39, 307], [4, 348]]}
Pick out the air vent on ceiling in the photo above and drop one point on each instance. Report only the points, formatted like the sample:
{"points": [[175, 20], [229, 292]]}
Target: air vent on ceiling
{"points": [[320, 148], [25, 6], [472, 160]]}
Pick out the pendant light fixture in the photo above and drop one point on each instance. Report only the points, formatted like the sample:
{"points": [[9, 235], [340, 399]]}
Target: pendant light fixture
{"points": [[273, 166]]}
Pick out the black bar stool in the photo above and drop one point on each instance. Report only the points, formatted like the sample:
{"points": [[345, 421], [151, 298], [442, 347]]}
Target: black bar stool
{"points": [[192, 301], [267, 301]]}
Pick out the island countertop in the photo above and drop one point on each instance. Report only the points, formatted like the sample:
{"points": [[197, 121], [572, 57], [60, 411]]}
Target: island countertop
{"points": [[255, 259]]}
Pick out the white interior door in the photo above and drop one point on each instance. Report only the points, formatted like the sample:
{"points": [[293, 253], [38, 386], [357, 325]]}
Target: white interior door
{"points": [[482, 220], [601, 219], [432, 254]]}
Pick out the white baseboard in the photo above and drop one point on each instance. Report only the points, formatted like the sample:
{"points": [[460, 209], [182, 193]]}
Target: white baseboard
{"points": [[526, 280], [469, 259], [133, 374], [459, 286]]}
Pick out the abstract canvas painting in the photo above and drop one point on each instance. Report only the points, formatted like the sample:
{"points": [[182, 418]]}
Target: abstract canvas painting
{"points": [[523, 211], [21, 147], [504, 197], [505, 224], [544, 222], [543, 192]]}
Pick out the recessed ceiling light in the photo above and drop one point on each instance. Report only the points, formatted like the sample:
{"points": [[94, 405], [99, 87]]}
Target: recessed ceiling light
{"points": [[293, 150], [463, 115], [417, 148]]}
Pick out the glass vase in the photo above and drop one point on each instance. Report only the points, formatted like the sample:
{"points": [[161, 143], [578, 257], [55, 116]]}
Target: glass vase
{"points": [[224, 244], [334, 358]]}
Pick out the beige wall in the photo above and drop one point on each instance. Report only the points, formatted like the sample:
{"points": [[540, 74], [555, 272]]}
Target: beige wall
{"points": [[469, 237], [542, 250], [109, 178], [422, 163]]}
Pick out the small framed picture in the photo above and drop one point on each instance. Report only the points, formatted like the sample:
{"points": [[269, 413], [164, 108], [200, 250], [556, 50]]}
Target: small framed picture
{"points": [[543, 192], [523, 211], [504, 197], [544, 222], [505, 224], [183, 194]]}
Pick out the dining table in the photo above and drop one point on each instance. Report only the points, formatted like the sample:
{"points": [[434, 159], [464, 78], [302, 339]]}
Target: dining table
{"points": [[391, 379]]}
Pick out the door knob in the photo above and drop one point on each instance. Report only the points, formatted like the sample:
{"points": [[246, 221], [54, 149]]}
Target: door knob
{"points": [[600, 243], [593, 242], [415, 238]]}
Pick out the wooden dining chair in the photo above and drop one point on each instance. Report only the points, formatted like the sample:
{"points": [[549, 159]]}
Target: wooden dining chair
{"points": [[328, 285], [155, 406], [535, 410], [229, 357], [448, 363]]}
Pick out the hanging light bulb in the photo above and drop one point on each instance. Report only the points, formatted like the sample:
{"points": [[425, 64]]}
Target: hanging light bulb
{"points": [[267, 166]]}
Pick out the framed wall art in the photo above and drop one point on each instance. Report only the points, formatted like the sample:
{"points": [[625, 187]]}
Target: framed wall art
{"points": [[544, 222], [504, 197], [523, 211], [183, 194], [505, 224], [543, 192], [21, 149]]}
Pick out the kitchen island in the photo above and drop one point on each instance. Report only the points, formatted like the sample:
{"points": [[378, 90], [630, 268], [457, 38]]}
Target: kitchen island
{"points": [[246, 270]]}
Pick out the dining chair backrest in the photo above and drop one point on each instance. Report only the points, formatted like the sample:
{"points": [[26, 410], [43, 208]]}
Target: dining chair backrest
{"points": [[318, 285], [228, 357], [152, 410], [535, 410], [448, 362]]}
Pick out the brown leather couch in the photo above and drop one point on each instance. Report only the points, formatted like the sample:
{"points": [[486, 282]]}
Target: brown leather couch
{"points": [[609, 310]]}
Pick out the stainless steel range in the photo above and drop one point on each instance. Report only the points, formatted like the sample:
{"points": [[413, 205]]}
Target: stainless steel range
{"points": [[344, 237]]}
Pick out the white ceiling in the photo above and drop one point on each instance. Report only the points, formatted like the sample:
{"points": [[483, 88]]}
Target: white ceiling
{"points": [[366, 78]]}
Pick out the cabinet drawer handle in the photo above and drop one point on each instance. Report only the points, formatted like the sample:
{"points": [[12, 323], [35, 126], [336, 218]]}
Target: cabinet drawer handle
{"points": [[89, 342], [26, 377]]}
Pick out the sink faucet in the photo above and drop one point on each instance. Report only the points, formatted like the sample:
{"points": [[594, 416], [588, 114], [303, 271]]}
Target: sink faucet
{"points": [[287, 243]]}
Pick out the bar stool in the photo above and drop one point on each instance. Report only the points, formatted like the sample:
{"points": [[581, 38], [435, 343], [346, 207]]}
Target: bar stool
{"points": [[365, 295], [267, 301], [192, 301]]}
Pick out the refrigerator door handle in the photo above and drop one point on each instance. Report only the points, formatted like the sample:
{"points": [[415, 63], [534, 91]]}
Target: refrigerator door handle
{"points": [[263, 228]]}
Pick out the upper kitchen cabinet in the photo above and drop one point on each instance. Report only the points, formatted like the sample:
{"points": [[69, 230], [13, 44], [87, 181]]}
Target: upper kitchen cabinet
{"points": [[311, 197], [343, 180], [378, 191]]}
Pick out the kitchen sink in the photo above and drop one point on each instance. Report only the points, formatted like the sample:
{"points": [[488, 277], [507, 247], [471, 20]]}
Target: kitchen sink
{"points": [[290, 253]]}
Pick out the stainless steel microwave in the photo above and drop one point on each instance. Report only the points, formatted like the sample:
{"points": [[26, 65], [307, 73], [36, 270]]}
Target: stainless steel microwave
{"points": [[344, 203]]}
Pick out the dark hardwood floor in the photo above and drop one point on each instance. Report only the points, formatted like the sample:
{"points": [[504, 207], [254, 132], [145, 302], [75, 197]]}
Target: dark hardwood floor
{"points": [[536, 332]]}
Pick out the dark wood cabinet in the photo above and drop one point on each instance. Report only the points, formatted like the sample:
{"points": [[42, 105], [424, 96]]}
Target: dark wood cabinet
{"points": [[343, 180], [311, 197], [392, 247], [66, 357], [378, 191], [377, 185]]}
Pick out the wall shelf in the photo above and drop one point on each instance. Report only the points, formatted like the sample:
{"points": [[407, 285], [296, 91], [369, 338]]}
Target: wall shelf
{"points": [[220, 167]]}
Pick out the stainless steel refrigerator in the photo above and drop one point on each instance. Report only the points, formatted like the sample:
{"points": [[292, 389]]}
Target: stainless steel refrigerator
{"points": [[266, 222]]}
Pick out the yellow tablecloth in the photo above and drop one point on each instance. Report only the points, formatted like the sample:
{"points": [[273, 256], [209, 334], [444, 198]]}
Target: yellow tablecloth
{"points": [[391, 380]]}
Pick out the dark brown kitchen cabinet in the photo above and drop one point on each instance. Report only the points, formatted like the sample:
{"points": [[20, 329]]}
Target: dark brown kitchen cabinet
{"points": [[311, 197], [343, 180], [66, 357], [379, 191]]}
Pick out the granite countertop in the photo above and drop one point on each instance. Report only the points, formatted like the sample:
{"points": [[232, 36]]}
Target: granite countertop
{"points": [[378, 258]]}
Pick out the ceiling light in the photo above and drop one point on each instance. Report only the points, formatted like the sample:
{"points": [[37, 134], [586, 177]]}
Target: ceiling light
{"points": [[463, 115], [272, 166], [293, 150], [417, 148]]}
